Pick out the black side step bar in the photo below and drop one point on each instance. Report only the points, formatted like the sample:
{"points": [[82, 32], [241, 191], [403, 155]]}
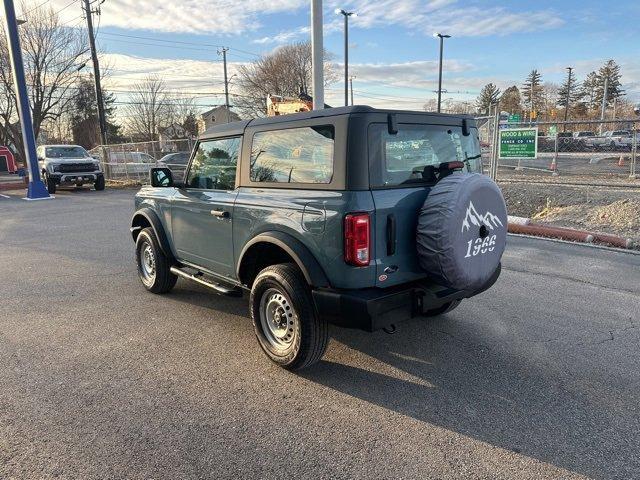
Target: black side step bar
{"points": [[221, 289]]}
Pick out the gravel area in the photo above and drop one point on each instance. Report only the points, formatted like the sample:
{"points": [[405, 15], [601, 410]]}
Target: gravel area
{"points": [[608, 210]]}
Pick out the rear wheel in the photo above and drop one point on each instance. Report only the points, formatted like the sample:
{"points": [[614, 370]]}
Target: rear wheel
{"points": [[153, 264], [446, 308], [285, 321]]}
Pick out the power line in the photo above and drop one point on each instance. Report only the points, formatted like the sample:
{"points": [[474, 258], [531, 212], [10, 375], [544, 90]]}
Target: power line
{"points": [[197, 44]]}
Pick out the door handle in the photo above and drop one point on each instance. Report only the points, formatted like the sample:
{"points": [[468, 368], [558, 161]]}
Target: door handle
{"points": [[220, 213]]}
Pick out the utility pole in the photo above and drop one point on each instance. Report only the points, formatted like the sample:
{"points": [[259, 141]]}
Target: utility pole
{"points": [[568, 98], [224, 51], [36, 189], [605, 94], [317, 52], [351, 86], [96, 71]]}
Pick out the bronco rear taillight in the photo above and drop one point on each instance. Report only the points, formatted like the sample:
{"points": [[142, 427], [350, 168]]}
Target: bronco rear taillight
{"points": [[356, 239]]}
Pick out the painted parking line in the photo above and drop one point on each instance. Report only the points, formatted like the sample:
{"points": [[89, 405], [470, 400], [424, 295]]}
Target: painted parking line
{"points": [[4, 196]]}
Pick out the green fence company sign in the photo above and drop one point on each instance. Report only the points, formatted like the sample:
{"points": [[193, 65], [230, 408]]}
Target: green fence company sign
{"points": [[519, 143]]}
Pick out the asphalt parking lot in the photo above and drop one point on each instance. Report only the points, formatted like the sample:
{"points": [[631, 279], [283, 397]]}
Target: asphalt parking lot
{"points": [[536, 378]]}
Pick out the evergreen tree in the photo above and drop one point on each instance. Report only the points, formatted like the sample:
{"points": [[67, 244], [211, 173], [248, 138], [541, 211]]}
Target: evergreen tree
{"points": [[610, 71], [190, 124], [511, 100], [488, 96], [588, 90], [532, 90], [84, 115], [569, 87]]}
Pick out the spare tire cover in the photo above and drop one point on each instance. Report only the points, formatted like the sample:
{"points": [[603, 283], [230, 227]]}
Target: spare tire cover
{"points": [[462, 231]]}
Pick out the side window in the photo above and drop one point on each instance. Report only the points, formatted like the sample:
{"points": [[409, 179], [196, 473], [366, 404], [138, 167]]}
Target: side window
{"points": [[295, 155], [214, 165]]}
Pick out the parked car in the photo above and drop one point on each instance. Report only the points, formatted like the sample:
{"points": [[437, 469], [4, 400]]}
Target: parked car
{"points": [[130, 162], [584, 134], [612, 140], [351, 215], [177, 162], [63, 165]]}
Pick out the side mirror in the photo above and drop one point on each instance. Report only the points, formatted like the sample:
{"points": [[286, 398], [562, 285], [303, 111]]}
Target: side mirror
{"points": [[161, 177]]}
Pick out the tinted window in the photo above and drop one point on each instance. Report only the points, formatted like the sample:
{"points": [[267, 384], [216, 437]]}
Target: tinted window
{"points": [[214, 165], [621, 132], [296, 155], [401, 158]]}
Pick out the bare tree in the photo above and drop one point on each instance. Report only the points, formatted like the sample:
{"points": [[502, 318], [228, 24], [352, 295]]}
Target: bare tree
{"points": [[285, 72], [53, 55], [180, 109], [149, 109]]}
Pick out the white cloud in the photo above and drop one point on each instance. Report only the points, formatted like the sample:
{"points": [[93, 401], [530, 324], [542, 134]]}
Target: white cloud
{"points": [[450, 16], [230, 17], [194, 16], [283, 37]]}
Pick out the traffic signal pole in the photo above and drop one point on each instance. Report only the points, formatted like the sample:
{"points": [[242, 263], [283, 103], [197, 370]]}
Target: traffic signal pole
{"points": [[36, 189]]}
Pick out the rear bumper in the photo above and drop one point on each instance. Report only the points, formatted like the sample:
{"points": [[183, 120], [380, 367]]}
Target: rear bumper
{"points": [[371, 309]]}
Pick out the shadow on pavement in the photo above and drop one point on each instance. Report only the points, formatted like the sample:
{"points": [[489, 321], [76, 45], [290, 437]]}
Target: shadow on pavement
{"points": [[484, 393]]}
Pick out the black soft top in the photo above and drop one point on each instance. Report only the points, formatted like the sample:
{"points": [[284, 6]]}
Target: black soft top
{"points": [[237, 128]]}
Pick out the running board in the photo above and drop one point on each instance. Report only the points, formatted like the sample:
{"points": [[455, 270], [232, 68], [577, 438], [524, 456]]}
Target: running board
{"points": [[229, 291]]}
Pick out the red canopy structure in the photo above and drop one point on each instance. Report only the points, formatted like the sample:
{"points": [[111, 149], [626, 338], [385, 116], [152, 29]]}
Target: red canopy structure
{"points": [[7, 160]]}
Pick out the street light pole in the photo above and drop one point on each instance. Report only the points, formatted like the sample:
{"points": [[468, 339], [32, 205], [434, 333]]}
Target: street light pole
{"points": [[442, 37], [36, 189], [568, 98], [346, 15], [351, 87], [317, 52]]}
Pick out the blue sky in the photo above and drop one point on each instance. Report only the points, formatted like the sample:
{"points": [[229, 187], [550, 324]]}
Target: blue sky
{"points": [[392, 54]]}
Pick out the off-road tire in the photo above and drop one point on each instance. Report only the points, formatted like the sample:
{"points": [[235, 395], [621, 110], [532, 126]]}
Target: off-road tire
{"points": [[51, 185], [99, 183], [162, 281], [309, 334], [446, 308]]}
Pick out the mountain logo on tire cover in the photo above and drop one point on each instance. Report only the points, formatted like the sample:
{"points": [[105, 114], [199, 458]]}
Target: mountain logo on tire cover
{"points": [[472, 217]]}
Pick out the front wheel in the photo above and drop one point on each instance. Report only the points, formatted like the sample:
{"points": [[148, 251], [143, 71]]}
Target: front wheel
{"points": [[99, 185], [284, 319], [153, 265], [50, 183]]}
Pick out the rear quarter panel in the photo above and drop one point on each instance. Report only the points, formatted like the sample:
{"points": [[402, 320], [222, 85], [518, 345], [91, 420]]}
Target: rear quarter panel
{"points": [[315, 217]]}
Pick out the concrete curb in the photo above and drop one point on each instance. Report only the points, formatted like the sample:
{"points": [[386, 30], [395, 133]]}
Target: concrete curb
{"points": [[583, 236]]}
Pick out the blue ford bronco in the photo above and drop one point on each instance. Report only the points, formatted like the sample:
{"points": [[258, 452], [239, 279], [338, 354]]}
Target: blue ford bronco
{"points": [[354, 216]]}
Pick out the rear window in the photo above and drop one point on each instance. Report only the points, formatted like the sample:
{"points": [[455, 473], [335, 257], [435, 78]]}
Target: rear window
{"points": [[294, 155], [408, 157]]}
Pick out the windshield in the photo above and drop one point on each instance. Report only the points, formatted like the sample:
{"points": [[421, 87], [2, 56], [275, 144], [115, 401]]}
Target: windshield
{"points": [[407, 157], [66, 152]]}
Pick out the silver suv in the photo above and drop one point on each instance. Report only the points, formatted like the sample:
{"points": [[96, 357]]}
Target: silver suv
{"points": [[68, 165]]}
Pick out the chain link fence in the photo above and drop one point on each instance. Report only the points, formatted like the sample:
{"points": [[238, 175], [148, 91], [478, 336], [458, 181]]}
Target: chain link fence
{"points": [[132, 161], [586, 151], [584, 175]]}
